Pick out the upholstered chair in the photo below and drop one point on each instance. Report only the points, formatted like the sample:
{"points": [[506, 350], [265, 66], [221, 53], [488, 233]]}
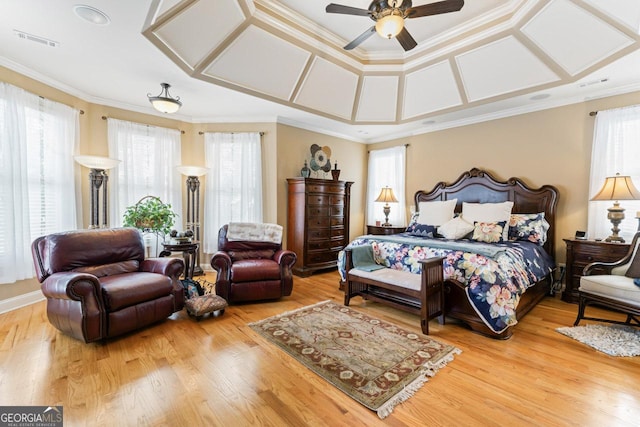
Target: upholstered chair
{"points": [[611, 285], [251, 265], [99, 285]]}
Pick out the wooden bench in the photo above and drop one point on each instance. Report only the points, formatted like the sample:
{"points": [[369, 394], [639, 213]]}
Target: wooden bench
{"points": [[420, 294]]}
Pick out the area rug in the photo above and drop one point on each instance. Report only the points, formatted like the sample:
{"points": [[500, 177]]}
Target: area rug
{"points": [[614, 340], [374, 362]]}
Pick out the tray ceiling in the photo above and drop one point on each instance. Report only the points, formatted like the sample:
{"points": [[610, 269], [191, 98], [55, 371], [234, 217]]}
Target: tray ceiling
{"points": [[290, 52]]}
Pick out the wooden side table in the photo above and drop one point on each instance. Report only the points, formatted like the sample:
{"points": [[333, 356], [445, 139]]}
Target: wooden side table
{"points": [[189, 251], [583, 252], [380, 230]]}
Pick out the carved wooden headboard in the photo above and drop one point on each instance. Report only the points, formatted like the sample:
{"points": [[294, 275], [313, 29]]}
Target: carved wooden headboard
{"points": [[479, 186]]}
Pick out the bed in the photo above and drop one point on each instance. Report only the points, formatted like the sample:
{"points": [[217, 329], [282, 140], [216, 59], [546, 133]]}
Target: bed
{"points": [[487, 285]]}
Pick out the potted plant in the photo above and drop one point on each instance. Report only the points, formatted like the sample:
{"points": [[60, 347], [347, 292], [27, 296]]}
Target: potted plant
{"points": [[150, 215]]}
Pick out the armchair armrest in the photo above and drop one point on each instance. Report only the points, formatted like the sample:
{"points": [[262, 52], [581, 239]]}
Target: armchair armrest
{"points": [[221, 263], [75, 305], [285, 258], [72, 286], [172, 267]]}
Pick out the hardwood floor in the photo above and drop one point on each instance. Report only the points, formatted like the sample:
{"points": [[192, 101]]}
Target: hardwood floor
{"points": [[219, 372]]}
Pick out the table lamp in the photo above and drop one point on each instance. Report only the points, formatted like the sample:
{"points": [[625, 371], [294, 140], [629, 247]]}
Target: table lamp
{"points": [[386, 196], [617, 188]]}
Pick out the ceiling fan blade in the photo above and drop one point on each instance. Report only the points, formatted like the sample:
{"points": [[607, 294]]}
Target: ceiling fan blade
{"points": [[435, 8], [406, 40], [347, 10], [362, 37]]}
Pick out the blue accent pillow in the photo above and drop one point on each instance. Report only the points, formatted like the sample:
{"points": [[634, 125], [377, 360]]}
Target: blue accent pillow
{"points": [[636, 281], [422, 230]]}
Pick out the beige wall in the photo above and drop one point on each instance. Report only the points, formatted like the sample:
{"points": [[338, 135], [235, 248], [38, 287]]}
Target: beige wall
{"points": [[294, 148], [546, 147]]}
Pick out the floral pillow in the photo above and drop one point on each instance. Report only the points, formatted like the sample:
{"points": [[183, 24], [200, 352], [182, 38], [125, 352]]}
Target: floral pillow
{"points": [[529, 227], [488, 232], [413, 221], [422, 230]]}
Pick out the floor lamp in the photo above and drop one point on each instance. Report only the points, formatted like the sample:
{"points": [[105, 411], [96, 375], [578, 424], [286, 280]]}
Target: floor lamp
{"points": [[98, 179], [193, 206]]}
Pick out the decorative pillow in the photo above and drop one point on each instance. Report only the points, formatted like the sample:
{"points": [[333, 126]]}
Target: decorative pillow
{"points": [[529, 227], [436, 213], [456, 228], [422, 230], [488, 212], [412, 221], [488, 232]]}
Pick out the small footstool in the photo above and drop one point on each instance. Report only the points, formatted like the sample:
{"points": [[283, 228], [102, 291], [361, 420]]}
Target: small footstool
{"points": [[203, 304]]}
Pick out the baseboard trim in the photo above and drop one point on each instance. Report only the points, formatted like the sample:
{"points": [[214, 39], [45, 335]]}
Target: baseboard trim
{"points": [[20, 301]]}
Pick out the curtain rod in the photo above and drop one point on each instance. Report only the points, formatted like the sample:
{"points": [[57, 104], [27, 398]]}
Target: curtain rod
{"points": [[143, 124], [202, 133], [593, 113], [81, 112]]}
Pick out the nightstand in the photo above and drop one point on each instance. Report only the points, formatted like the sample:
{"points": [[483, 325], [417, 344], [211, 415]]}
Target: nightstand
{"points": [[583, 252], [380, 230]]}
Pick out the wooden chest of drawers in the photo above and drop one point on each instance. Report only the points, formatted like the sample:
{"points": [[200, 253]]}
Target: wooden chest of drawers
{"points": [[318, 222], [583, 252]]}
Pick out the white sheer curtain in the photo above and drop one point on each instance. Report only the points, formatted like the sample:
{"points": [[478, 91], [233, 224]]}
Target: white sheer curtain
{"points": [[234, 183], [616, 149], [38, 139], [387, 168], [149, 157]]}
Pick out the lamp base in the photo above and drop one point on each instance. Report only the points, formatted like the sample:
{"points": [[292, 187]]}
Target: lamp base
{"points": [[615, 215], [386, 209]]}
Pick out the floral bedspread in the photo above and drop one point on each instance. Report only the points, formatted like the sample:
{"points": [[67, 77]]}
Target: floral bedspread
{"points": [[496, 274]]}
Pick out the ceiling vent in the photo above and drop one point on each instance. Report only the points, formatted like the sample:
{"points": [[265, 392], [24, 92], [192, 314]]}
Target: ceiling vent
{"points": [[37, 39]]}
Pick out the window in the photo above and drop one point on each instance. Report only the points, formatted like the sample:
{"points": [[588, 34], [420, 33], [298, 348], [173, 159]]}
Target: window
{"points": [[386, 168], [38, 139], [616, 149], [234, 183], [149, 158]]}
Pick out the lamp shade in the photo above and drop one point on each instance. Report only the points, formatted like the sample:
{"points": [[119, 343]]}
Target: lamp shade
{"points": [[97, 162], [192, 170], [390, 26], [387, 196], [164, 102], [618, 187]]}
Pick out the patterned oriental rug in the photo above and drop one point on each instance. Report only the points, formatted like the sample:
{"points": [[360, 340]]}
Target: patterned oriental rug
{"points": [[376, 363], [614, 340]]}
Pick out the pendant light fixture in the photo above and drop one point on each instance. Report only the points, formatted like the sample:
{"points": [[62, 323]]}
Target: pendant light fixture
{"points": [[164, 102]]}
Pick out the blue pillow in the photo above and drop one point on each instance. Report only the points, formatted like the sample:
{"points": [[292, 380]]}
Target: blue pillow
{"points": [[422, 230], [636, 281]]}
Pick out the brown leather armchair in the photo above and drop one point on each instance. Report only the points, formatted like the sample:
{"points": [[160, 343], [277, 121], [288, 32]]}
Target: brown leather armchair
{"points": [[98, 283], [252, 270]]}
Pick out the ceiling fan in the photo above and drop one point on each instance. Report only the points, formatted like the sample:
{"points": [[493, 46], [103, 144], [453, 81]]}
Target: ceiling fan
{"points": [[389, 16]]}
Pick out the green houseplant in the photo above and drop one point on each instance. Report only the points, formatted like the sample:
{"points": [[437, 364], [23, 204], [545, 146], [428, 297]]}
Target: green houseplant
{"points": [[150, 214]]}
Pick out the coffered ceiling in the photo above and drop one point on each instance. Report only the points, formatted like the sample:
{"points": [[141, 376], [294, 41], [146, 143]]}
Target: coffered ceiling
{"points": [[284, 60]]}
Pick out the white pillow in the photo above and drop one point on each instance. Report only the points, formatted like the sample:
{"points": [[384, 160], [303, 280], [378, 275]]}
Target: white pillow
{"points": [[455, 228], [488, 212], [436, 213]]}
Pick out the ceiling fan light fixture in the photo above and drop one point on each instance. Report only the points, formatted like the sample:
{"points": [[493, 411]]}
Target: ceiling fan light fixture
{"points": [[164, 102], [390, 26]]}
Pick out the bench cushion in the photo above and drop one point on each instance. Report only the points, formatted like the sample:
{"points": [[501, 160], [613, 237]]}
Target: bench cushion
{"points": [[400, 278], [612, 286]]}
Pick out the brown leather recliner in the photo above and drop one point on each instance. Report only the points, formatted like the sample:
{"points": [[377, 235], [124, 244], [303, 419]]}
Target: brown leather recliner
{"points": [[252, 270], [98, 283]]}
